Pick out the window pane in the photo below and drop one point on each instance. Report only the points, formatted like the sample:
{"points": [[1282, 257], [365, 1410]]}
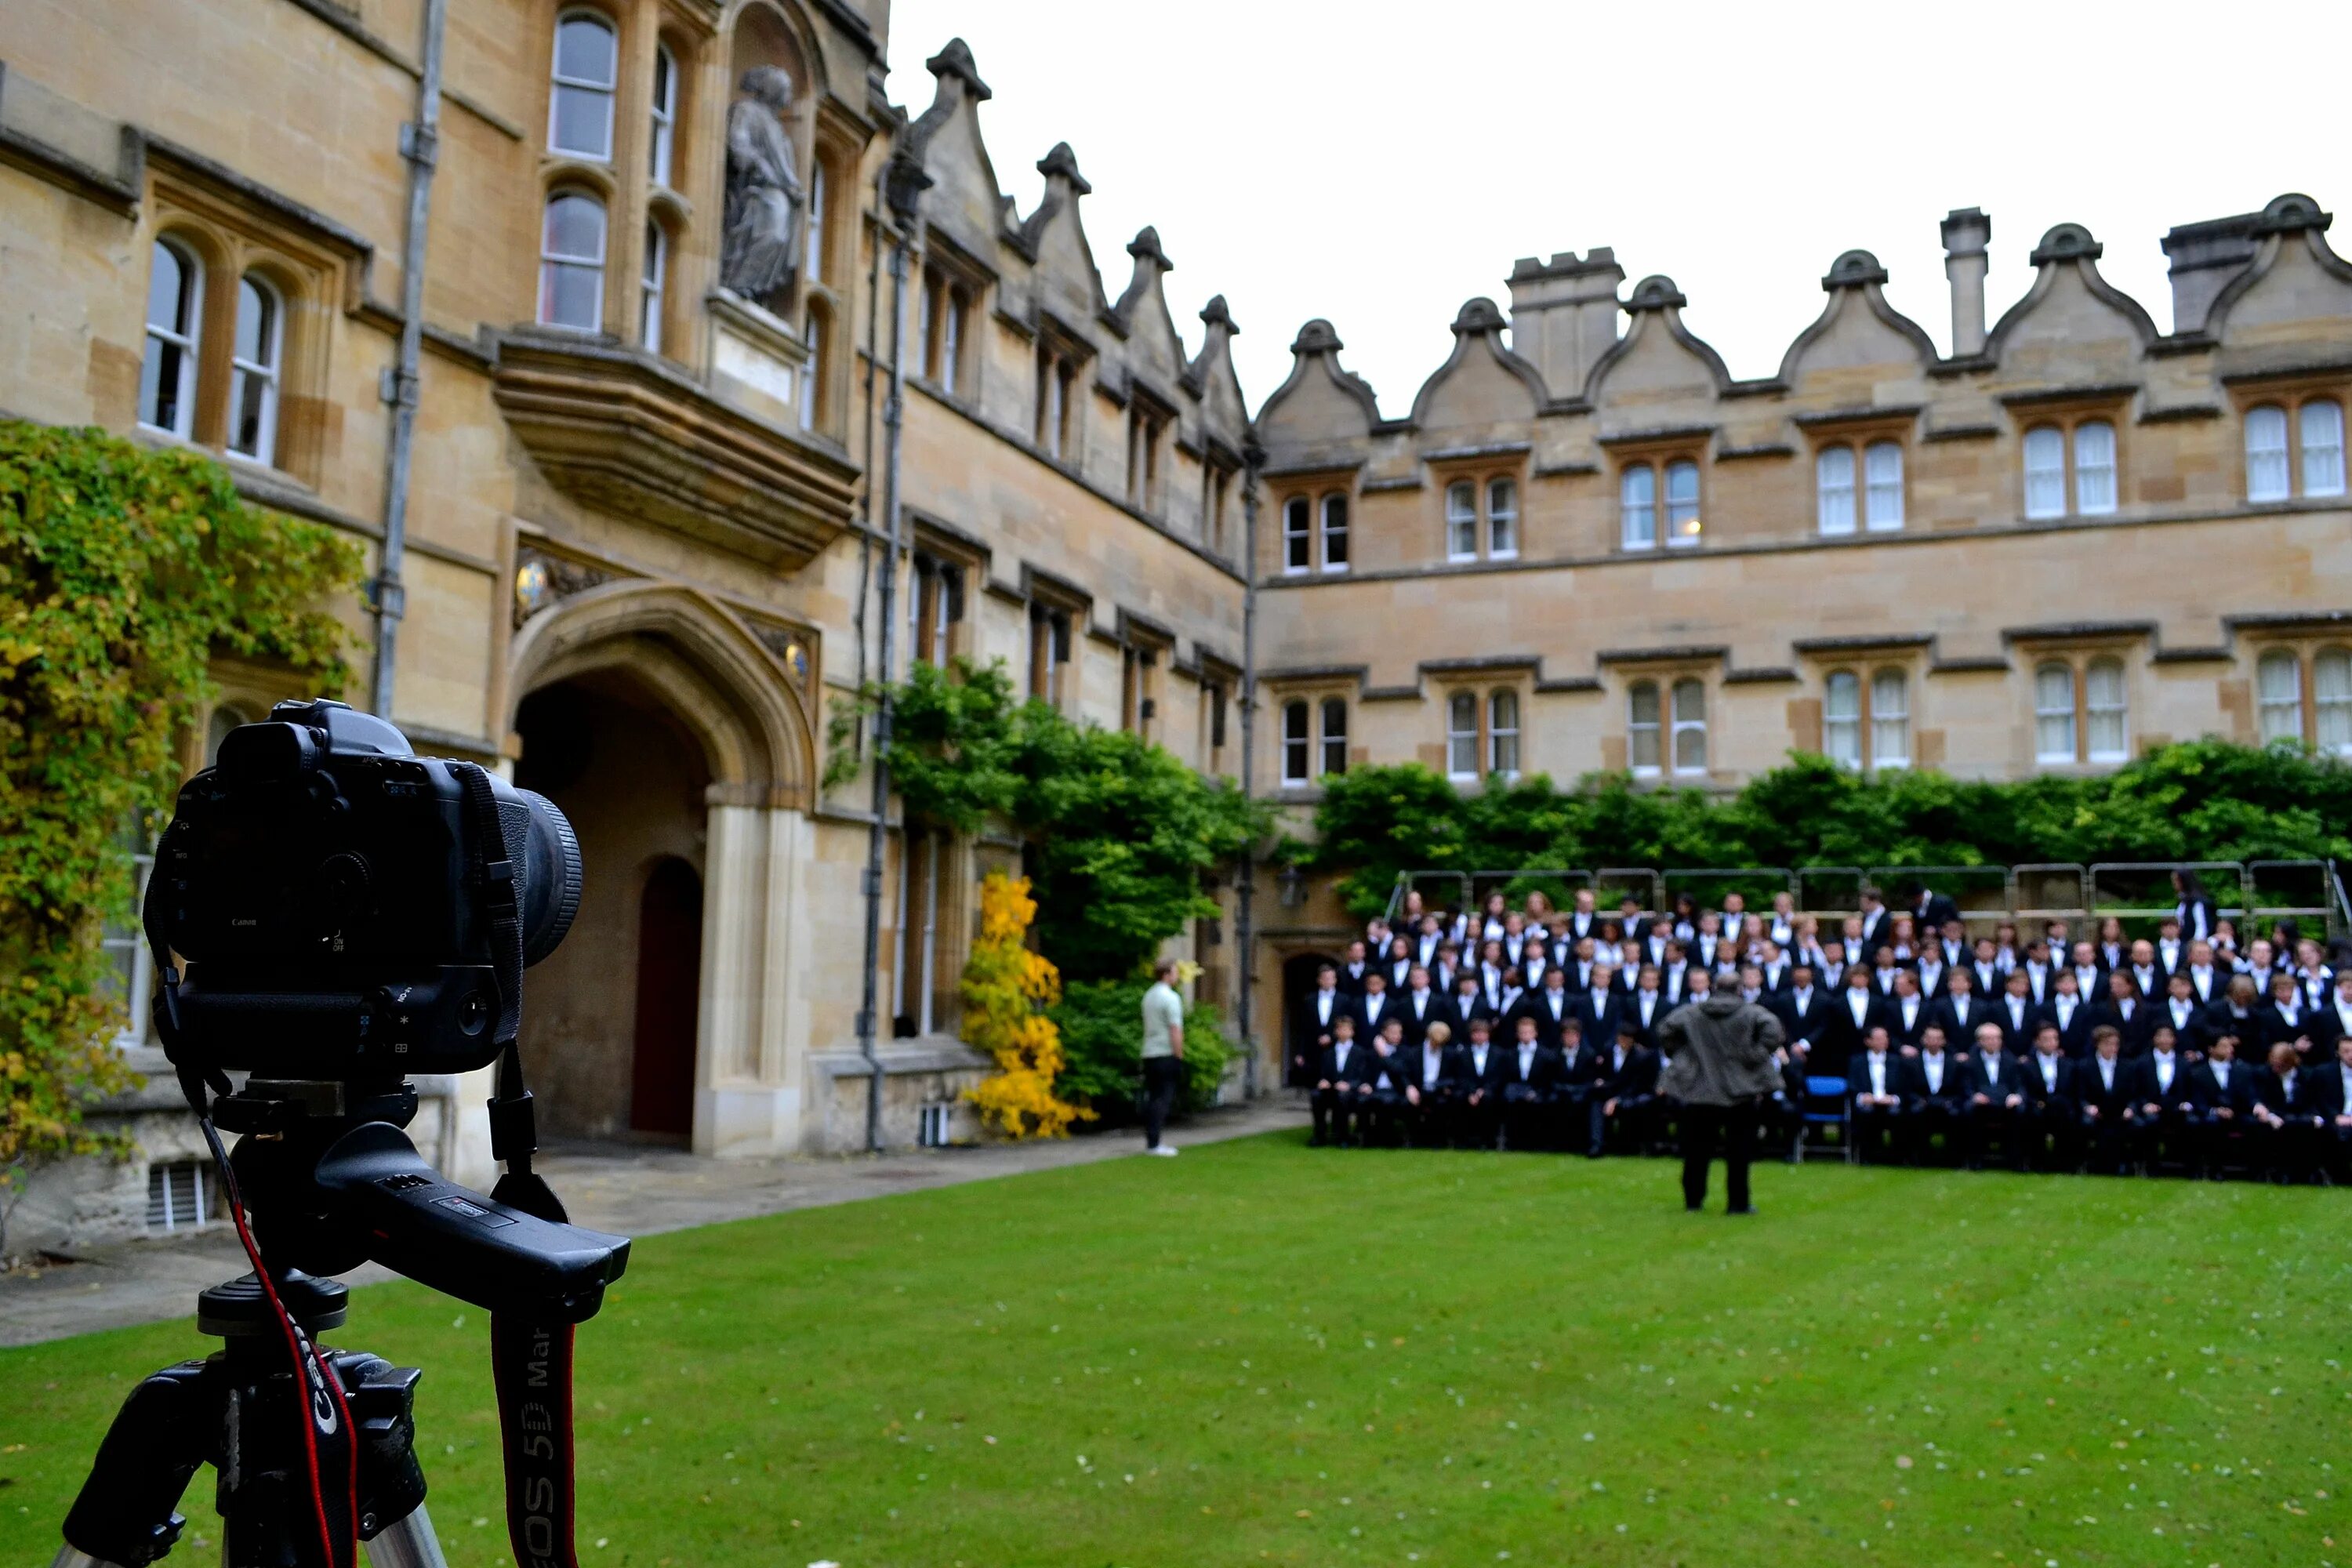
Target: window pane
{"points": [[2266, 470], [1503, 729], [1690, 726], [2046, 472], [1834, 488], [665, 113], [1297, 543], [1682, 503], [2331, 690], [1294, 742], [1461, 521], [1335, 533], [1641, 710], [1335, 735], [1637, 493], [168, 288], [657, 267], [816, 215], [951, 344], [256, 322], [253, 391], [1502, 517], [584, 49], [167, 372], [1461, 735], [572, 280], [1842, 718], [1883, 467], [1890, 720], [2094, 467], [2054, 713], [2278, 684], [2322, 447], [580, 115], [2102, 692]]}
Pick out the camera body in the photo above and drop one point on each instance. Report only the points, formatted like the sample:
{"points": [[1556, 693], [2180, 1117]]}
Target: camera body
{"points": [[321, 884]]}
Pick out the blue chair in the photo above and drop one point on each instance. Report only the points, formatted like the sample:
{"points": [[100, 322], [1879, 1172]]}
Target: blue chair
{"points": [[1827, 1109]]}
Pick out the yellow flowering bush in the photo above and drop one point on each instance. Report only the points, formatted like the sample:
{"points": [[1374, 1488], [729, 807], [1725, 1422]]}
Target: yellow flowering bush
{"points": [[1004, 985]]}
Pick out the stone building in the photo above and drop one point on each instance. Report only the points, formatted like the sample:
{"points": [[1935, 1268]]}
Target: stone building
{"points": [[645, 515]]}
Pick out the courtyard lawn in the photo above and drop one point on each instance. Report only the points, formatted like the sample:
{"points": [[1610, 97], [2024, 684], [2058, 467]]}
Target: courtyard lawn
{"points": [[1260, 1353]]}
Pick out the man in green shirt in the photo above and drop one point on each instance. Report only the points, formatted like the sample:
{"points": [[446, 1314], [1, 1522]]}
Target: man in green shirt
{"points": [[1163, 1053]]}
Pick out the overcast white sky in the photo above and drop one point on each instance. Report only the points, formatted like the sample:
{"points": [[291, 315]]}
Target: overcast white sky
{"points": [[1377, 163]]}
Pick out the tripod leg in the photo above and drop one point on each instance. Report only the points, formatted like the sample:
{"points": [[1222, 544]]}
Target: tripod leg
{"points": [[74, 1557], [406, 1542], [126, 1512]]}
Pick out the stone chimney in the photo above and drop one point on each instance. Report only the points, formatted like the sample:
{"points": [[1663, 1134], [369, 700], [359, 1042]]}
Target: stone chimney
{"points": [[2205, 257], [1564, 314], [1966, 233]]}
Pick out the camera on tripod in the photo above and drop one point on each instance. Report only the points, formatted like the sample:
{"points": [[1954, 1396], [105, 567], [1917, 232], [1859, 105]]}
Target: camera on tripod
{"points": [[329, 913]]}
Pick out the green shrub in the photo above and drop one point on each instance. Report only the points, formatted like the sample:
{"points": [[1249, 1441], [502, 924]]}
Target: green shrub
{"points": [[1101, 1023]]}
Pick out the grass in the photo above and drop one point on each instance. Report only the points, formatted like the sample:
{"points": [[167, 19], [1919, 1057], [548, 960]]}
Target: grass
{"points": [[1257, 1353]]}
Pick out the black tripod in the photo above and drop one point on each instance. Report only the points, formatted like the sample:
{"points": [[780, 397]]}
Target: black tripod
{"points": [[236, 1410]]}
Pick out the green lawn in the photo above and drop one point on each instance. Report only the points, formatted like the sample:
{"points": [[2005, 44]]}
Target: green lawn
{"points": [[1257, 1352]]}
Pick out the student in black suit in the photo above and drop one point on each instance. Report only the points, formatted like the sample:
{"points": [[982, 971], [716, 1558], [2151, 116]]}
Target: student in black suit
{"points": [[2148, 975], [1931, 910], [2055, 1119], [2179, 1013], [2163, 1109], [1930, 1087], [1993, 1102], [1477, 1097], [2286, 1121], [2090, 974], [1380, 1103], [2208, 976], [2072, 1012], [1875, 1088], [2017, 1013], [2331, 1096], [2224, 1088], [1857, 1010], [1645, 1006], [1432, 1088], [1339, 1086], [1625, 1093], [1960, 1010], [2195, 911], [1878, 928], [1551, 1005], [1353, 967], [1311, 1020], [1421, 1004], [1468, 1003], [1529, 1077], [2286, 1020], [1375, 1008], [2103, 1097], [1805, 1008], [2126, 1012], [1907, 1011]]}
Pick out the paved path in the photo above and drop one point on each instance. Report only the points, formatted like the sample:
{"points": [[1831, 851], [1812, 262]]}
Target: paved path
{"points": [[632, 1192]]}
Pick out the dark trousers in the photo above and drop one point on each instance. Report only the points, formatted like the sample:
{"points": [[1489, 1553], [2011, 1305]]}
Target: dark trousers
{"points": [[1876, 1139], [1923, 1120], [1530, 1119], [1160, 1075], [1704, 1127], [1634, 1117], [1981, 1126], [1331, 1111]]}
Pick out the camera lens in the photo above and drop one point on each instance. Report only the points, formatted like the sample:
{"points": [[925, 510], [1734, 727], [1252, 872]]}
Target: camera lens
{"points": [[550, 874]]}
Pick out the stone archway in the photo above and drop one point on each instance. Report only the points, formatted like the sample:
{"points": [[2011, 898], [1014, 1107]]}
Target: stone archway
{"points": [[675, 740]]}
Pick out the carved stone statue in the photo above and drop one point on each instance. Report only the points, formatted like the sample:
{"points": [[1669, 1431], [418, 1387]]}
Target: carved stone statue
{"points": [[762, 250]]}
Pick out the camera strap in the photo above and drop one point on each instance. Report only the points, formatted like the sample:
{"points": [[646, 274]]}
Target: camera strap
{"points": [[530, 1355]]}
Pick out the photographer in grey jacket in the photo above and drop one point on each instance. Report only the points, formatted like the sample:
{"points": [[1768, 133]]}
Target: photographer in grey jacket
{"points": [[1721, 1067]]}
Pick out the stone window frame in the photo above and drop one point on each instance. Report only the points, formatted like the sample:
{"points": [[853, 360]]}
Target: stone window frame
{"points": [[1660, 457], [944, 575], [1859, 437], [1866, 671], [2290, 394], [230, 240], [1150, 422], [2068, 418], [1483, 733], [1314, 492], [2078, 657], [950, 278], [613, 119], [1061, 360], [1664, 681], [1482, 477], [1316, 700], [2307, 654]]}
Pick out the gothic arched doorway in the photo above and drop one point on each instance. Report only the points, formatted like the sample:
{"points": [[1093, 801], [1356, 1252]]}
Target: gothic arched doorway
{"points": [[669, 992]]}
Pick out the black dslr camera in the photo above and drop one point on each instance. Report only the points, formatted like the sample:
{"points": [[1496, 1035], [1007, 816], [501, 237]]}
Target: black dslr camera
{"points": [[321, 887]]}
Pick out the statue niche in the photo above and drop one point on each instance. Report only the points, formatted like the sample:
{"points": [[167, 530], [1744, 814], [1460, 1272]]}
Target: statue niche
{"points": [[760, 253]]}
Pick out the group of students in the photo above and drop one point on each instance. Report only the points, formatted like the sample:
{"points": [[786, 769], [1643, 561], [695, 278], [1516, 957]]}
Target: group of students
{"points": [[1535, 1027]]}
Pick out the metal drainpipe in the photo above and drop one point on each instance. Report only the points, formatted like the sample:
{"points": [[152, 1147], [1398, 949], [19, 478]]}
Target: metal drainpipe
{"points": [[420, 143], [903, 183], [1244, 920]]}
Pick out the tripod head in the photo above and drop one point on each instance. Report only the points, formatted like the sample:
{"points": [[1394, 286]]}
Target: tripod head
{"points": [[332, 1181]]}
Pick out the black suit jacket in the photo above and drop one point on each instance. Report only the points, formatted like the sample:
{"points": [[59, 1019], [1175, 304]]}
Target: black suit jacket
{"points": [[2145, 1090], [1978, 1078], [2328, 1089], [1329, 1070], [1637, 1075], [1806, 1024], [2134, 1030], [1844, 1038], [1910, 1077], [1547, 1072], [2276, 1029], [1309, 1027], [2074, 1036], [2092, 1091], [2292, 1098], [2188, 1035], [2042, 1094], [1628, 1011], [1368, 1026], [1957, 1022], [2211, 1096], [1908, 1033], [1439, 1010], [1930, 913], [1857, 1074], [1537, 1005]]}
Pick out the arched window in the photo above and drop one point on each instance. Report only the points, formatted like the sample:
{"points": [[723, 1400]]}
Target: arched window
{"points": [[2331, 700], [952, 341], [1297, 535], [580, 107], [1642, 728], [2054, 713], [2278, 695], [1461, 735], [817, 335], [1890, 720], [1502, 519], [167, 374], [253, 369], [1833, 489], [1682, 524], [817, 223], [664, 113], [2046, 472], [2103, 713], [1503, 734], [2322, 447], [650, 290], [2095, 468], [1882, 464], [1335, 735], [1335, 533], [1297, 749], [1842, 717], [1637, 507], [1462, 521], [571, 262], [1690, 726], [2266, 464]]}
